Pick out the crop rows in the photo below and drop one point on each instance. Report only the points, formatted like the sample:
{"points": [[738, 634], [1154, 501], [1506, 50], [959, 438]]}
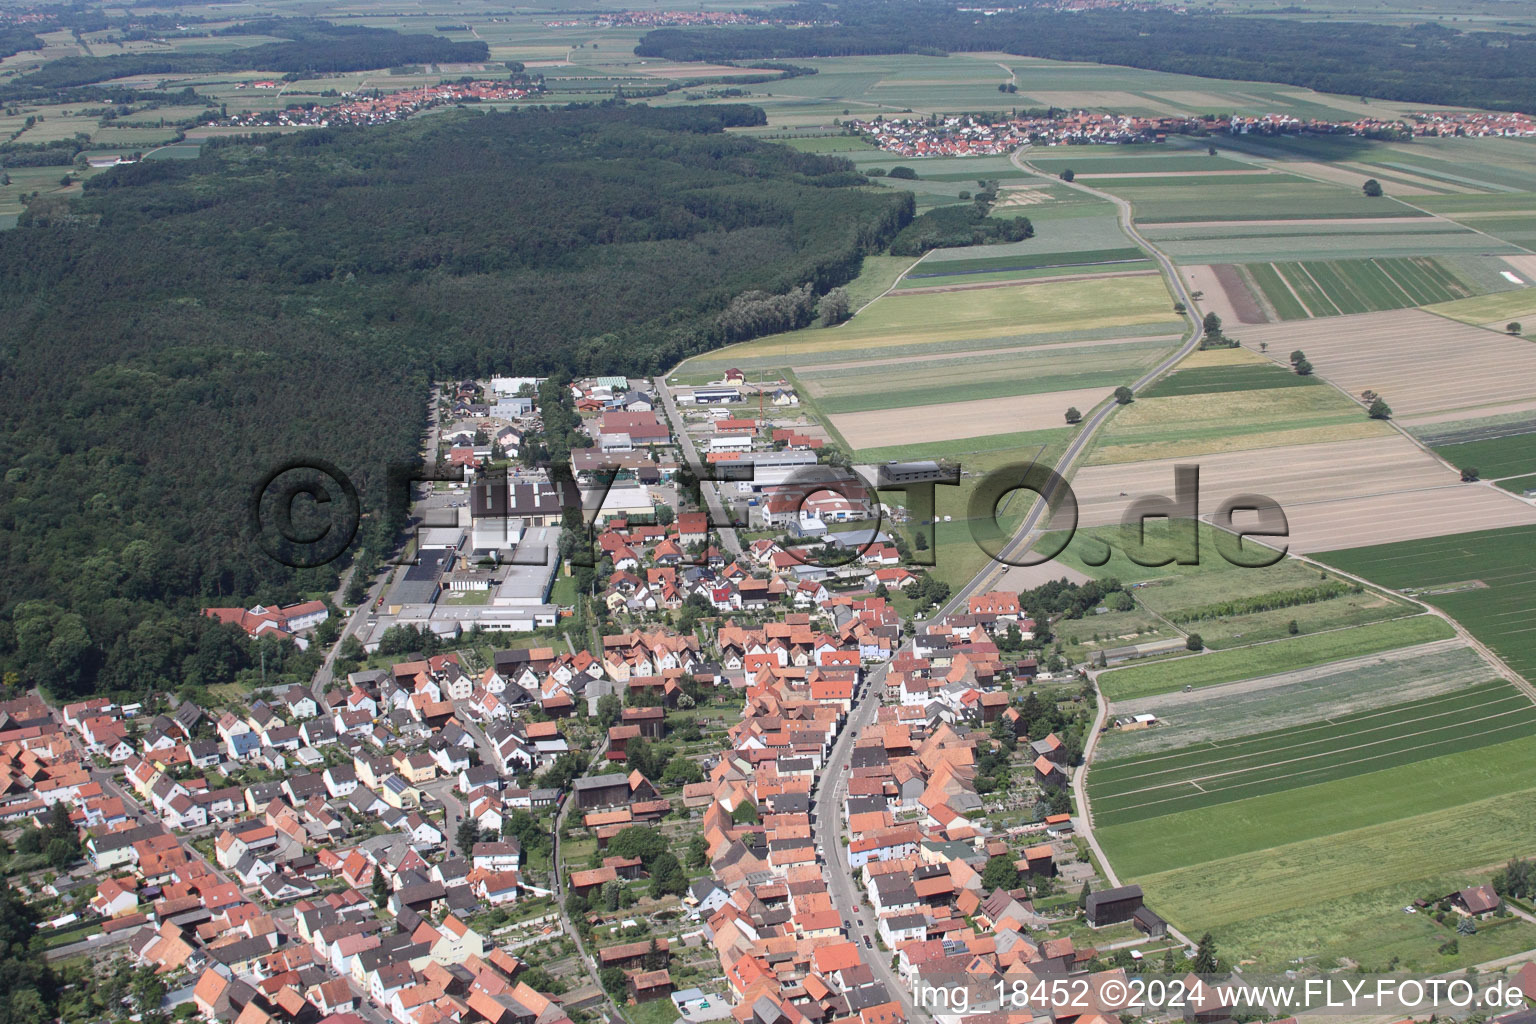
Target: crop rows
{"points": [[1334, 287], [1202, 380], [1306, 755], [1034, 261]]}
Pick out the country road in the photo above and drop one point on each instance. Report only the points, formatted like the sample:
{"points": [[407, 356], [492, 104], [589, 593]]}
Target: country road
{"points": [[832, 783]]}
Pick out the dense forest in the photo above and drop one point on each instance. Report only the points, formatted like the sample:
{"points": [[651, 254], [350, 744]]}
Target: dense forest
{"points": [[14, 39], [311, 46], [1429, 63], [188, 325]]}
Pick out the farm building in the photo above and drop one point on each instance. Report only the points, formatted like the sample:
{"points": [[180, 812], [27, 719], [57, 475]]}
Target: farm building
{"points": [[601, 791], [1113, 905]]}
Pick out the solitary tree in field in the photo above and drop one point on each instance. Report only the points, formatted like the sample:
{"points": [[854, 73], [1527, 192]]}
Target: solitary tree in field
{"points": [[1178, 307], [1303, 367], [1297, 356], [1372, 187], [1212, 323], [1513, 327], [1067, 175], [1263, 346], [1124, 395], [1194, 642], [1293, 627], [1073, 416], [1380, 410], [1469, 474]]}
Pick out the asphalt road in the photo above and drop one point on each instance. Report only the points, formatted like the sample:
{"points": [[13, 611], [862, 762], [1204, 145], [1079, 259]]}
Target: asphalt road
{"points": [[717, 511], [832, 783]]}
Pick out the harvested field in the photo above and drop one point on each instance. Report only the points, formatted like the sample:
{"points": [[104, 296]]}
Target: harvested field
{"points": [[1219, 357], [887, 427], [1010, 196], [1027, 577], [1407, 358], [1344, 176], [1223, 293], [1334, 495]]}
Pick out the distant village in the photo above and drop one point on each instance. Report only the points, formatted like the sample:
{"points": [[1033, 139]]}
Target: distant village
{"points": [[677, 19], [970, 135], [372, 110]]}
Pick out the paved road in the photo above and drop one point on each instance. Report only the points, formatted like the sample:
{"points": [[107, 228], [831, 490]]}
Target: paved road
{"points": [[832, 783], [717, 510]]}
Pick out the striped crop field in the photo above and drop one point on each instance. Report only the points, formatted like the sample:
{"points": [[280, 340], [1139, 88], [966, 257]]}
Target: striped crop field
{"points": [[1333, 287], [1333, 748]]}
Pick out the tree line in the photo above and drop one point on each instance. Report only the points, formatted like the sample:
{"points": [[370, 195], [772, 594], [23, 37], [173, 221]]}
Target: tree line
{"points": [[1426, 63]]}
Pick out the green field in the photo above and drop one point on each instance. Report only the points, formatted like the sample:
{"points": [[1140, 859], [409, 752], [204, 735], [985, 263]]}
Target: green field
{"points": [[1307, 871], [1140, 159], [1204, 380], [1269, 658], [1344, 687], [1238, 242], [924, 322], [1297, 816], [1196, 423], [1242, 198], [1490, 309], [928, 270], [1027, 371], [1513, 454], [1334, 287], [1339, 747], [957, 449], [1483, 579]]}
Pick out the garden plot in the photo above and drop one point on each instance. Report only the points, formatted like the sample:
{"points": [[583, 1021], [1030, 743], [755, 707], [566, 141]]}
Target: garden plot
{"points": [[1427, 368]]}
